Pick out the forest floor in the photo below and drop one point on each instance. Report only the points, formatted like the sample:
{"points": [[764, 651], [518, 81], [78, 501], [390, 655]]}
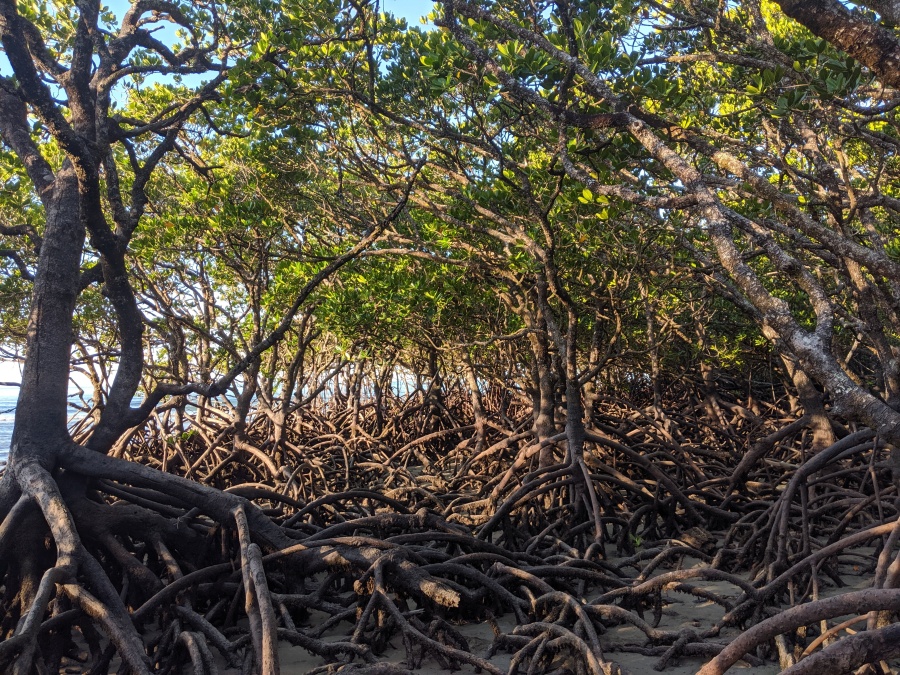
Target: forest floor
{"points": [[622, 644], [669, 545], [679, 612]]}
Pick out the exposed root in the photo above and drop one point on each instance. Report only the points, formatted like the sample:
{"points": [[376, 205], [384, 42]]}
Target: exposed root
{"points": [[161, 572]]}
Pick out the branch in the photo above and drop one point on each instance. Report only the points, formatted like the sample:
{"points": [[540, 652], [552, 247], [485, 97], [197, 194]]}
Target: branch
{"points": [[135, 416], [17, 259], [16, 133], [875, 47], [13, 29], [858, 602]]}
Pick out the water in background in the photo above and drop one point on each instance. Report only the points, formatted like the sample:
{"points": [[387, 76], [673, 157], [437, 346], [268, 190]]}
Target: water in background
{"points": [[8, 397], [402, 384]]}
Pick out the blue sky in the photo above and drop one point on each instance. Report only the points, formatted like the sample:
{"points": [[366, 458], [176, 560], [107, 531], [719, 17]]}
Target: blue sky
{"points": [[410, 10]]}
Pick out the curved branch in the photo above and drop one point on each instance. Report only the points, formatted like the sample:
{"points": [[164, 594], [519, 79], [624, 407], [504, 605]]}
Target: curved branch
{"points": [[137, 415], [16, 134], [858, 602], [875, 47]]}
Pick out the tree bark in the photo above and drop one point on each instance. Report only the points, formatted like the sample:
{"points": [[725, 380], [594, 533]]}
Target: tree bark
{"points": [[40, 423], [875, 47]]}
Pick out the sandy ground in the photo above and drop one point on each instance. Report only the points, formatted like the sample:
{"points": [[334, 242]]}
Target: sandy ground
{"points": [[295, 660], [680, 611]]}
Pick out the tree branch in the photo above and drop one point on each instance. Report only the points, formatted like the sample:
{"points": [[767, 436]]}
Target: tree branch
{"points": [[875, 47]]}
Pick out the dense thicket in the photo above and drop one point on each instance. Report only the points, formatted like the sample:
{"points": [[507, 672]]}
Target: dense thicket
{"points": [[533, 318]]}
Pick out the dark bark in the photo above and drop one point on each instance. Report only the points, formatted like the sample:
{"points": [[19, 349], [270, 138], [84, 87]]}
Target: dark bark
{"points": [[851, 653], [872, 45], [858, 602], [477, 406], [40, 427], [888, 9], [543, 390], [812, 401]]}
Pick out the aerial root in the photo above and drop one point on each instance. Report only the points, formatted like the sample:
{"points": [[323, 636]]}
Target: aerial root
{"points": [[858, 602], [380, 601], [24, 640], [72, 558], [394, 560], [703, 648], [201, 658], [852, 652], [258, 603]]}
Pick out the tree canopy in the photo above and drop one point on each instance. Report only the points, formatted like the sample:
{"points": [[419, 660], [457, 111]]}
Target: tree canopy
{"points": [[600, 282]]}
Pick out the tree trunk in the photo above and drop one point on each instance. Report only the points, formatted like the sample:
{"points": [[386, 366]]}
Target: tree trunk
{"points": [[41, 412], [543, 398], [813, 403], [477, 405]]}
